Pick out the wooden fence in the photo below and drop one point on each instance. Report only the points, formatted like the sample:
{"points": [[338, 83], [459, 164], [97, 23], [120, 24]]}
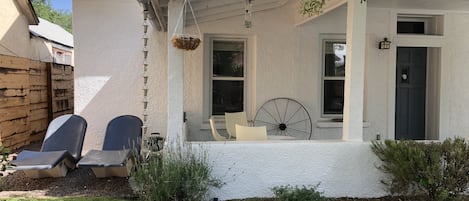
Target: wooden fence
{"points": [[32, 93]]}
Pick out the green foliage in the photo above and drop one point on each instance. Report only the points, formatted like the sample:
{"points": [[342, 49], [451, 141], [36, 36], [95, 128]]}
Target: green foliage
{"points": [[289, 193], [179, 175], [4, 162], [44, 10], [311, 7], [438, 170]]}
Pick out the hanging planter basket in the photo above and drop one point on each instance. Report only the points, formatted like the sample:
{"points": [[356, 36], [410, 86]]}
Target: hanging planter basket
{"points": [[186, 41]]}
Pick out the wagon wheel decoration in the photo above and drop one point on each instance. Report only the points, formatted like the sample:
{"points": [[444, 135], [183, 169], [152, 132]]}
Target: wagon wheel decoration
{"points": [[284, 116]]}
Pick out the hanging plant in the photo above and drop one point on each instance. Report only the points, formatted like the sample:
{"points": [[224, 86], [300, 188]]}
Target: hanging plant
{"points": [[183, 40], [313, 7]]}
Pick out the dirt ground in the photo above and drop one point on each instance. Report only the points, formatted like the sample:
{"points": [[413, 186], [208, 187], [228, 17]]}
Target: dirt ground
{"points": [[78, 182]]}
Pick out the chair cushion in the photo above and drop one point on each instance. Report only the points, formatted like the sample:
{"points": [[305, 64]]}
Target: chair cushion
{"points": [[103, 158], [29, 160]]}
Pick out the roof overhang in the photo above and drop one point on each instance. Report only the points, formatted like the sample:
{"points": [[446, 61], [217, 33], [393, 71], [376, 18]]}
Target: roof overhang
{"points": [[28, 10]]}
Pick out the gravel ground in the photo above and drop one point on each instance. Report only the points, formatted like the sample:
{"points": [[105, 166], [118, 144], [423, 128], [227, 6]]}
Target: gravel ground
{"points": [[78, 182]]}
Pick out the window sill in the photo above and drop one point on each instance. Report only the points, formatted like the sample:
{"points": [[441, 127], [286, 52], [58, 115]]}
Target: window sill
{"points": [[334, 124]]}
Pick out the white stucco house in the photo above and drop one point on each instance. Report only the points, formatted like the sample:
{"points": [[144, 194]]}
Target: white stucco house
{"points": [[353, 89]]}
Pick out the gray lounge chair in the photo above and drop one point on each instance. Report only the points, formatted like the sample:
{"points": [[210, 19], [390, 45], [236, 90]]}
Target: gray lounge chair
{"points": [[120, 148], [60, 151]]}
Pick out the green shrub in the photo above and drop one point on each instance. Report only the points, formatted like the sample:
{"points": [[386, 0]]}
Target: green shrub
{"points": [[176, 176], [4, 162], [305, 193], [439, 171]]}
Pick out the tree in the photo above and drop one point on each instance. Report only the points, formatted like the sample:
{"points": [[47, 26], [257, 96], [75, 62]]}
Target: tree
{"points": [[44, 10]]}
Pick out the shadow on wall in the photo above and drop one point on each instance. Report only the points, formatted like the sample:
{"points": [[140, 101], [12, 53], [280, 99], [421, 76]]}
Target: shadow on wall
{"points": [[102, 98]]}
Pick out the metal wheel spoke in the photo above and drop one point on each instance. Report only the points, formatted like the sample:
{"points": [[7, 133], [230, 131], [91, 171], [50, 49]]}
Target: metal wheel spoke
{"points": [[270, 115], [298, 130], [277, 133], [283, 132], [296, 122], [288, 134], [266, 122], [270, 130], [286, 109], [278, 112], [291, 117]]}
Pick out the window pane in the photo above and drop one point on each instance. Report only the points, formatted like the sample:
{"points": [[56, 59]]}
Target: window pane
{"points": [[227, 96], [334, 58], [411, 27], [228, 58], [333, 96]]}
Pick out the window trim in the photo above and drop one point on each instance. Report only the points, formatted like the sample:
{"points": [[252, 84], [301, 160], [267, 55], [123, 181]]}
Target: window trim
{"points": [[323, 40], [208, 72]]}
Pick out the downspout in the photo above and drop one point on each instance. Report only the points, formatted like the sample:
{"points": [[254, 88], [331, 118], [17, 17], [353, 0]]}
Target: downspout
{"points": [[145, 24]]}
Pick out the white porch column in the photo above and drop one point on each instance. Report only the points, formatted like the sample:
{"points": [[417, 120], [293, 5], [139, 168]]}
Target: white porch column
{"points": [[175, 78], [354, 71]]}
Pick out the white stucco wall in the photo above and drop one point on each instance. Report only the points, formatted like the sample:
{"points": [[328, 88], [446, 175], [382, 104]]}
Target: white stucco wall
{"points": [[454, 92], [14, 32], [108, 63], [252, 169]]}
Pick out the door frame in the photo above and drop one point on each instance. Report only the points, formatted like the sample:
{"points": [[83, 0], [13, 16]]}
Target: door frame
{"points": [[412, 41]]}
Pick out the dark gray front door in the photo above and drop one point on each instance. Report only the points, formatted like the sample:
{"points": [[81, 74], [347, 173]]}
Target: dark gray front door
{"points": [[410, 93]]}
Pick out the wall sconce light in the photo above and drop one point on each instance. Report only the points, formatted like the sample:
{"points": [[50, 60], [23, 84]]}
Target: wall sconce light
{"points": [[385, 44]]}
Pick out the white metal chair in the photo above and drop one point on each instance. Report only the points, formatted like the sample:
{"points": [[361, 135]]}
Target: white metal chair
{"points": [[215, 133], [244, 133], [231, 119]]}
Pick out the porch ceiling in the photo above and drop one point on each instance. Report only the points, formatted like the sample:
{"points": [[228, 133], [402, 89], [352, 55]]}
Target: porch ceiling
{"points": [[210, 10]]}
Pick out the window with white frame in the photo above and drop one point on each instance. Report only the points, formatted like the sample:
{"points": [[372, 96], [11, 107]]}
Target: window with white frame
{"points": [[227, 75], [62, 57], [333, 77]]}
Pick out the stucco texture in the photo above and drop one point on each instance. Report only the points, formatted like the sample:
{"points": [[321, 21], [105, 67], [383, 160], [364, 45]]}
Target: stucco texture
{"points": [[109, 59]]}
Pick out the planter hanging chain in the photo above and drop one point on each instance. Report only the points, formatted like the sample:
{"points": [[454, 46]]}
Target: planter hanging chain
{"points": [[186, 41]]}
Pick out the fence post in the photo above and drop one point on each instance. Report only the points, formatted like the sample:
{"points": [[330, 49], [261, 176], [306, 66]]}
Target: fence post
{"points": [[50, 104]]}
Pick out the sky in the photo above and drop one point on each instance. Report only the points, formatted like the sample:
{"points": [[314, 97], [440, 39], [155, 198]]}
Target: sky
{"points": [[64, 5]]}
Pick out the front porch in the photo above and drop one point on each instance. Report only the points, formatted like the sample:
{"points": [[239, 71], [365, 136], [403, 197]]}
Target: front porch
{"points": [[284, 57]]}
